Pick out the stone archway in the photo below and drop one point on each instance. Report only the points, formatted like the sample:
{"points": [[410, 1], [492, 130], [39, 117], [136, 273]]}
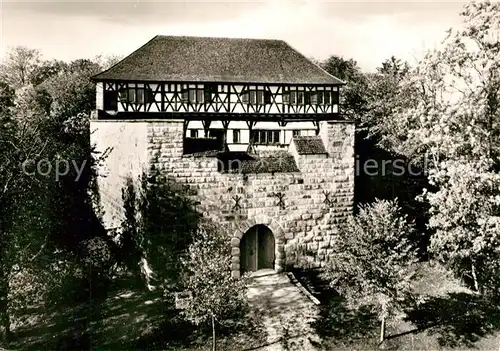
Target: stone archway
{"points": [[243, 227], [257, 249]]}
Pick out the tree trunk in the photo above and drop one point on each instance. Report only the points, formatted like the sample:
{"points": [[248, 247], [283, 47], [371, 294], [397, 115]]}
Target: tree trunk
{"points": [[382, 330], [474, 276], [213, 333]]}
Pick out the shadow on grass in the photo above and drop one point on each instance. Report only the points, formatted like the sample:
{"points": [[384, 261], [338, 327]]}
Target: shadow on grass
{"points": [[458, 319], [336, 319]]}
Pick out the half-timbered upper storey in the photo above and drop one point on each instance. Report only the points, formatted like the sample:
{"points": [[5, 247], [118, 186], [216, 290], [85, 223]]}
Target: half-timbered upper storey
{"points": [[228, 79]]}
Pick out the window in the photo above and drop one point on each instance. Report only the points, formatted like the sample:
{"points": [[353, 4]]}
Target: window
{"points": [[259, 96], [296, 133], [137, 95], [314, 98], [335, 97], [208, 91], [294, 97], [198, 95], [321, 97], [110, 100], [265, 137], [236, 136], [193, 133], [327, 97], [300, 98]]}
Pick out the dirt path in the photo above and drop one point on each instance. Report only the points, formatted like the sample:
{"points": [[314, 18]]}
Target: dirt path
{"points": [[285, 310]]}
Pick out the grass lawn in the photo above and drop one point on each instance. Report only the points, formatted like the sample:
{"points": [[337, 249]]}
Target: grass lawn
{"points": [[447, 316], [130, 318]]}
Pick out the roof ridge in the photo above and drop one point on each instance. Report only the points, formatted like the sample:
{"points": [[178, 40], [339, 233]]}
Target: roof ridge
{"points": [[213, 37]]}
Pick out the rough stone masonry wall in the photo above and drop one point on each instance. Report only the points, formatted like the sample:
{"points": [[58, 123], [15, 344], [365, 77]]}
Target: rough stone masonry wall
{"points": [[313, 201]]}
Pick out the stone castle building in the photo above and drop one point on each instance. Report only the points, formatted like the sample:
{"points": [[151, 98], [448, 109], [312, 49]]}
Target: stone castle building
{"points": [[251, 126]]}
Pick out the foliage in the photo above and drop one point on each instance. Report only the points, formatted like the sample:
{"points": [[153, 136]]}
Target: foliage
{"points": [[207, 275], [373, 258], [451, 122], [46, 70], [384, 94], [160, 224], [353, 97], [20, 64], [42, 214]]}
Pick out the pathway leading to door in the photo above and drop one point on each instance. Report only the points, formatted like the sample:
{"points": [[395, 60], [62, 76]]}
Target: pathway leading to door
{"points": [[286, 312]]}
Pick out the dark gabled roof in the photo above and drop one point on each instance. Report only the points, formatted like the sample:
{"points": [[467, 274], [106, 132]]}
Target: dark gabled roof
{"points": [[309, 145], [203, 59], [277, 162]]}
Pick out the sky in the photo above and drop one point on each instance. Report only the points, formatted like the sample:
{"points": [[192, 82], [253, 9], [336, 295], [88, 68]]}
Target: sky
{"points": [[369, 31]]}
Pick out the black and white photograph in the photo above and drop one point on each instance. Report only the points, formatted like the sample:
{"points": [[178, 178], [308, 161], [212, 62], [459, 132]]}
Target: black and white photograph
{"points": [[265, 175]]}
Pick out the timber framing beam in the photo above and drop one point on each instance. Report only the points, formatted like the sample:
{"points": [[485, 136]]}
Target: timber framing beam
{"points": [[207, 116]]}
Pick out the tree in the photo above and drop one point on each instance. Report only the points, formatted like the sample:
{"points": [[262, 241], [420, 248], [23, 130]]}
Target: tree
{"points": [[23, 229], [216, 295], [452, 119], [45, 70], [353, 97], [20, 64], [372, 259], [384, 94]]}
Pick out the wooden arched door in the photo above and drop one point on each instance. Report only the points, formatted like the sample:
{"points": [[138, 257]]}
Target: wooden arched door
{"points": [[257, 249]]}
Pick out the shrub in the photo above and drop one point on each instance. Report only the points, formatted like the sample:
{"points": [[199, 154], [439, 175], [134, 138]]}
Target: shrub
{"points": [[217, 296], [372, 259]]}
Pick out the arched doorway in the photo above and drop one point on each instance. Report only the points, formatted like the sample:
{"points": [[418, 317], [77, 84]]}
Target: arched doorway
{"points": [[257, 249]]}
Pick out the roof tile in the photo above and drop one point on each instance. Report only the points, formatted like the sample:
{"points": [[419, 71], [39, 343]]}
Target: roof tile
{"points": [[309, 145], [203, 59]]}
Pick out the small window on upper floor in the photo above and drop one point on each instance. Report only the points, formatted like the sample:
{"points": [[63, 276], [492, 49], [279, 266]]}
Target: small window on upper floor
{"points": [[133, 95], [296, 133], [327, 97], [256, 96], [193, 133], [321, 97], [199, 95]]}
